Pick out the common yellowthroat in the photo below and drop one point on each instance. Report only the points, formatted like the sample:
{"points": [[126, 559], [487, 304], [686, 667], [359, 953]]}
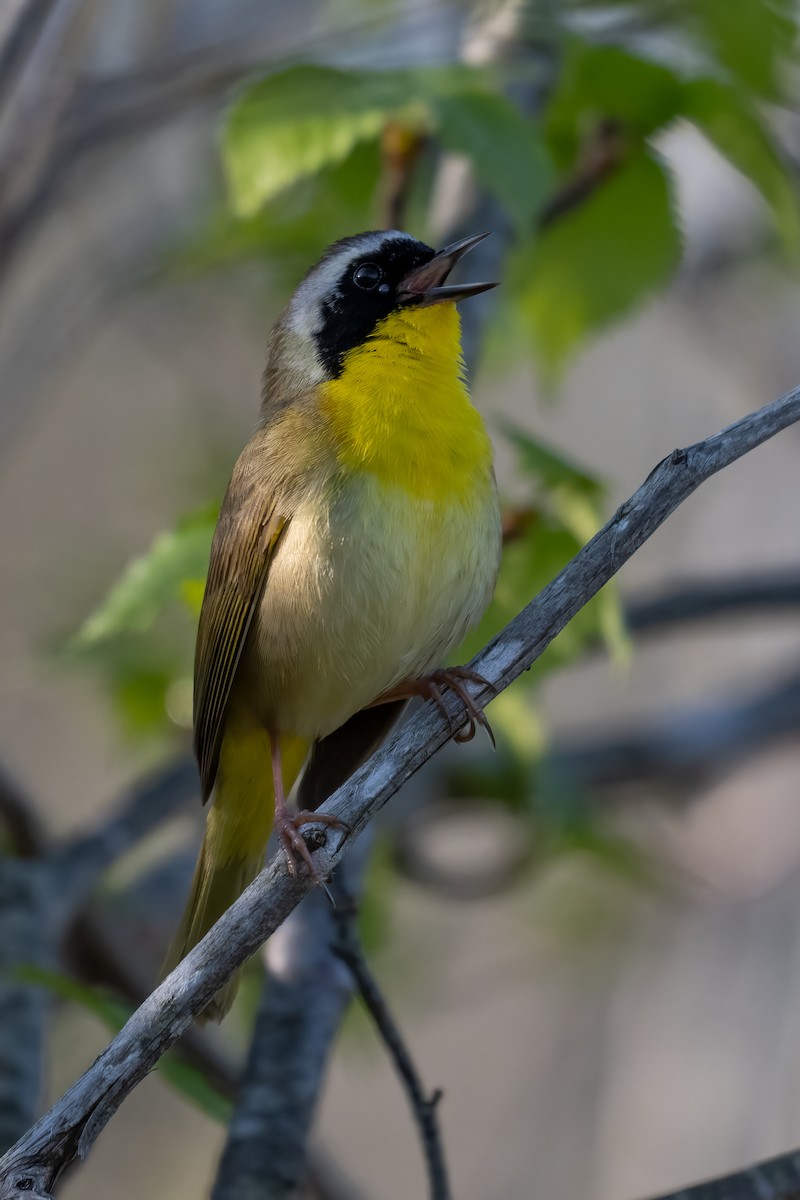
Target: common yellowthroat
{"points": [[358, 541]]}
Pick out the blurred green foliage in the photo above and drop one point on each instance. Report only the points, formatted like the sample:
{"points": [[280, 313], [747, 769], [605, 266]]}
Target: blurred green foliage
{"points": [[171, 569], [563, 509], [754, 40], [596, 264], [289, 126], [301, 149], [298, 122]]}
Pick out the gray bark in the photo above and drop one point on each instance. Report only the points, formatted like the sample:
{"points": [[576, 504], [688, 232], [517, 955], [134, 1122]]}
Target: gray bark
{"points": [[774, 1179]]}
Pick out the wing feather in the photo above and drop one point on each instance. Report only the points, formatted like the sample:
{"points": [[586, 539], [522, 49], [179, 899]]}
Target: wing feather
{"points": [[247, 533]]}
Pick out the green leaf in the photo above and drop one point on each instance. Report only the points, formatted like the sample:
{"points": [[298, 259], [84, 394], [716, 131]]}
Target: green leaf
{"points": [[736, 127], [113, 1013], [528, 564], [291, 230], [182, 1076], [295, 123], [139, 672], [596, 262], [602, 83], [751, 38], [547, 467], [151, 582], [139, 693], [578, 501], [507, 151], [568, 501], [292, 124]]}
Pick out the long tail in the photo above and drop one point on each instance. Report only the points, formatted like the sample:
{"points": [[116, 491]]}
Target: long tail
{"points": [[238, 826]]}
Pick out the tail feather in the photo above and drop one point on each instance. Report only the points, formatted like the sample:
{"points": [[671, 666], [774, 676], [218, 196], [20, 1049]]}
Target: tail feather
{"points": [[237, 830], [215, 886]]}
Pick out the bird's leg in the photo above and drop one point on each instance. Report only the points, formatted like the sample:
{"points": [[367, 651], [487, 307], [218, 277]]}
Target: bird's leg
{"points": [[429, 687], [287, 824]]}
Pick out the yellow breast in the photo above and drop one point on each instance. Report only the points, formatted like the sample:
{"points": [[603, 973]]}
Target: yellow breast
{"points": [[380, 573], [400, 409]]}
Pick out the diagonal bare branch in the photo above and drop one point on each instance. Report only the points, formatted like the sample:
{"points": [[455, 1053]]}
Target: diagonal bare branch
{"points": [[68, 1131], [773, 1179]]}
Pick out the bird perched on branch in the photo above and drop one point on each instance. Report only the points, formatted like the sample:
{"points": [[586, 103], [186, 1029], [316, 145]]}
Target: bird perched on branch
{"points": [[358, 541]]}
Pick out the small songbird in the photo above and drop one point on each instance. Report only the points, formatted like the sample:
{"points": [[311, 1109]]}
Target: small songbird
{"points": [[358, 541]]}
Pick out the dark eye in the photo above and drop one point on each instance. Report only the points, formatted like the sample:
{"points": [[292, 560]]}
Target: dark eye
{"points": [[367, 276]]}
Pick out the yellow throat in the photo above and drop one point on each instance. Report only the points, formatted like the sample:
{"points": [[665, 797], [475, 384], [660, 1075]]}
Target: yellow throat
{"points": [[400, 409]]}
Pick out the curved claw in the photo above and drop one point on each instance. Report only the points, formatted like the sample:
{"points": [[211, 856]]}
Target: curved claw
{"points": [[476, 714], [429, 687], [456, 678], [294, 845]]}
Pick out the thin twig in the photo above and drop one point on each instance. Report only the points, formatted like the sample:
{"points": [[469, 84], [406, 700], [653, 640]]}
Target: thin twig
{"points": [[401, 147], [32, 115], [600, 157], [423, 1107], [69, 1130]]}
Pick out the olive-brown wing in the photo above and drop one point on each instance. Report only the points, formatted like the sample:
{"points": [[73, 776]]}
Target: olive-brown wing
{"points": [[247, 533]]}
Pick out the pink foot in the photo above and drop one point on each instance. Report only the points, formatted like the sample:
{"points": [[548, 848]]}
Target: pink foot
{"points": [[429, 687], [292, 842]]}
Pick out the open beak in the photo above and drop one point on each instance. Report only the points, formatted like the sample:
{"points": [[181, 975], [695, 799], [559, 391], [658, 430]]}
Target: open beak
{"points": [[426, 284]]}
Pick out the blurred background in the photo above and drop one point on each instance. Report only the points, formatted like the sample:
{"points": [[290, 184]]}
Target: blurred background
{"points": [[592, 937]]}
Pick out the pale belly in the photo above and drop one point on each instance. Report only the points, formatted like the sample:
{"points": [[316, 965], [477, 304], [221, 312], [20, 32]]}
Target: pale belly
{"points": [[371, 589]]}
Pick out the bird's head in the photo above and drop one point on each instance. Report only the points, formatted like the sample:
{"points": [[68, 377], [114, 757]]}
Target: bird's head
{"points": [[352, 294]]}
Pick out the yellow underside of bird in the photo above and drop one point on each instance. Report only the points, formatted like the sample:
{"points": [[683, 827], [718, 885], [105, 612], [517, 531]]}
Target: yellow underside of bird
{"points": [[400, 408], [382, 567]]}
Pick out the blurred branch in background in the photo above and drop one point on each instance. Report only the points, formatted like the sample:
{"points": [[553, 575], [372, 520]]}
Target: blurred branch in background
{"points": [[86, 111], [424, 1107], [41, 892], [20, 23], [687, 746], [719, 599], [69, 1130], [42, 58]]}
